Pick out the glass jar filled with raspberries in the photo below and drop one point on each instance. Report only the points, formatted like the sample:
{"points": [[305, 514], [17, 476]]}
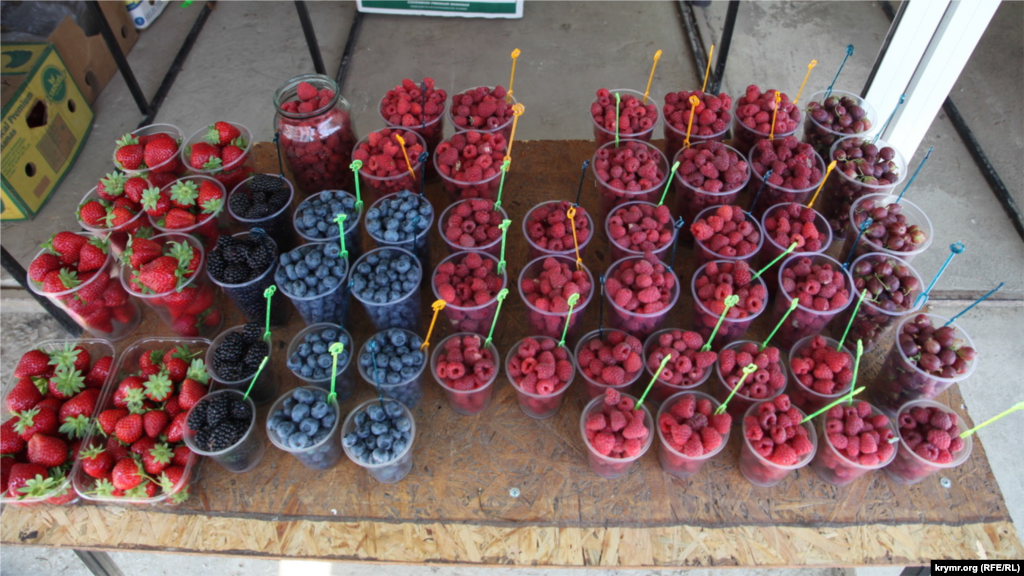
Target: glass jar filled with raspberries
{"points": [[712, 285], [631, 171], [821, 372], [546, 285], [316, 132]]}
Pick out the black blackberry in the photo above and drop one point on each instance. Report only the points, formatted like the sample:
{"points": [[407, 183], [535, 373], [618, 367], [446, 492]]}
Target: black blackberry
{"points": [[231, 350], [202, 439], [278, 199], [265, 183], [218, 410], [230, 372], [197, 418], [215, 265], [227, 434], [236, 274], [240, 204], [259, 211], [252, 333], [234, 254], [241, 411], [260, 256], [254, 356]]}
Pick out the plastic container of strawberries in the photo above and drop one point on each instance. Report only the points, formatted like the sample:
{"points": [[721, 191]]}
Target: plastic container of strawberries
{"points": [[126, 365], [96, 348]]}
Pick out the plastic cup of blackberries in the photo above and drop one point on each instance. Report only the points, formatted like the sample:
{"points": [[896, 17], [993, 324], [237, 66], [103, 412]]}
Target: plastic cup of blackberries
{"points": [[235, 355], [222, 426]]}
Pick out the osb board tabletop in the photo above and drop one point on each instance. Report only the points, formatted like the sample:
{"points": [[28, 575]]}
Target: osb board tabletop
{"points": [[456, 506]]}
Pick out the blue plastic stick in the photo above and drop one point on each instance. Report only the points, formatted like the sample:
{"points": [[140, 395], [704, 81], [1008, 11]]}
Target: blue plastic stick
{"points": [[679, 224], [277, 143], [583, 174], [976, 302], [424, 156], [954, 249], [849, 258], [886, 125], [764, 181], [600, 309], [916, 172], [849, 52]]}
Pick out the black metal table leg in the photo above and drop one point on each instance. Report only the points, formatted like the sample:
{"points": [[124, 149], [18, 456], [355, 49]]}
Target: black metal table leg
{"points": [[350, 46], [310, 34], [723, 46], [119, 58], [692, 33], [99, 563], [15, 269]]}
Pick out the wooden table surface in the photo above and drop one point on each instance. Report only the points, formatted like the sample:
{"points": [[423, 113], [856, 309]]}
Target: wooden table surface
{"points": [[456, 507]]}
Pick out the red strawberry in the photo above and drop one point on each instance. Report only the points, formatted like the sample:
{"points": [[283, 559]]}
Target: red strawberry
{"points": [[94, 283], [10, 441], [173, 481], [66, 245], [92, 213], [65, 383], [188, 259], [110, 187], [126, 394], [71, 356], [204, 156], [42, 265], [184, 193], [96, 461], [108, 419], [134, 187], [24, 395], [160, 275], [38, 420], [114, 295], [153, 422], [181, 456], [159, 387], [158, 151], [47, 451], [172, 407], [176, 219], [93, 255], [150, 362], [20, 482], [33, 363], [118, 216], [140, 251], [5, 472], [60, 280], [117, 450], [211, 197], [129, 429], [176, 429], [82, 404], [129, 153], [155, 202], [97, 375], [222, 133], [157, 458], [186, 325], [126, 474], [212, 317], [230, 156], [203, 299], [177, 368], [191, 392], [51, 403]]}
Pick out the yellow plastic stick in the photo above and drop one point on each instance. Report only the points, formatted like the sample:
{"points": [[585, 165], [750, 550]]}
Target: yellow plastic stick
{"points": [[571, 213], [778, 99], [831, 166], [517, 111], [804, 83], [401, 143], [438, 305], [508, 95], [1012, 409], [694, 102], [657, 55], [707, 70]]}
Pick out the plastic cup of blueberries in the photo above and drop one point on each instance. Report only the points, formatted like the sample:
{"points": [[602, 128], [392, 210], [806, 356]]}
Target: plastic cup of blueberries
{"points": [[393, 470], [477, 318], [278, 224], [345, 383], [493, 247], [673, 461], [592, 388], [611, 195], [761, 471], [536, 251], [606, 466], [702, 252], [376, 187], [404, 384], [324, 447], [636, 322], [320, 225], [384, 236], [663, 389], [245, 454], [533, 404], [740, 401], [692, 199], [396, 308], [914, 216], [618, 251], [248, 296], [263, 391], [908, 467], [466, 402], [549, 323], [320, 302], [603, 135]]}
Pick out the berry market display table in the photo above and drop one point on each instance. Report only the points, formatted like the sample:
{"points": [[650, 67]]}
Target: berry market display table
{"points": [[501, 488]]}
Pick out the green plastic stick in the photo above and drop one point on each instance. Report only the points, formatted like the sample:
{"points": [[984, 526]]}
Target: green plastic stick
{"points": [[504, 236], [730, 301], [268, 294], [664, 362], [340, 219], [772, 263], [833, 404], [568, 317], [335, 349], [355, 166], [501, 183], [501, 298], [792, 306], [860, 300], [856, 370], [1014, 408], [617, 99], [668, 182], [747, 371], [256, 376]]}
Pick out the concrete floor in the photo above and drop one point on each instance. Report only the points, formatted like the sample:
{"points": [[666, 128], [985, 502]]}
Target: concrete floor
{"points": [[569, 49]]}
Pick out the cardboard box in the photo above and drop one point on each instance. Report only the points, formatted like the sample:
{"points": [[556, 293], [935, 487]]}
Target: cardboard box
{"points": [[87, 57], [464, 9], [46, 120]]}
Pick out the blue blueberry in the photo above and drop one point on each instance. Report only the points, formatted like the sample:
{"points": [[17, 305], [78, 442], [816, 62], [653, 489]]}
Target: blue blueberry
{"points": [[379, 428], [303, 395], [349, 440], [309, 426], [299, 412], [325, 361], [289, 403], [298, 441], [361, 418], [328, 420], [384, 442], [285, 429], [319, 410], [375, 412], [403, 424]]}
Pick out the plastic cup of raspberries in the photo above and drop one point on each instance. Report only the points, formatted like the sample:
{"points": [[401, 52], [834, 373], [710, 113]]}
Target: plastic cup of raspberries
{"points": [[893, 287], [635, 228], [929, 442], [615, 433], [796, 174], [77, 273], [541, 372], [602, 358], [170, 277], [639, 293], [234, 443], [548, 230], [151, 152], [192, 214], [385, 170], [264, 201], [304, 423], [469, 283], [636, 119], [408, 107], [396, 303], [484, 109], [711, 285], [725, 233], [114, 221], [786, 223], [926, 359], [855, 439], [310, 360], [710, 124], [632, 171], [840, 115], [466, 371], [314, 219], [402, 220], [902, 229], [545, 285], [688, 368], [472, 225], [315, 278], [469, 164], [690, 433], [752, 119], [820, 372], [221, 151], [862, 167], [400, 365], [823, 288], [775, 443], [234, 265], [378, 436], [234, 373], [710, 174], [766, 383]]}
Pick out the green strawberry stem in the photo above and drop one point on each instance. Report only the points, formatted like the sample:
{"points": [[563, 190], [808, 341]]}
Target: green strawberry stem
{"points": [[255, 377], [792, 306], [730, 301], [834, 403], [501, 298], [747, 371], [664, 362], [568, 317]]}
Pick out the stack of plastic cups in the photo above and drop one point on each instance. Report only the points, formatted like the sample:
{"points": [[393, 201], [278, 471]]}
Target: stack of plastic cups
{"points": [[263, 391], [229, 174], [778, 194], [910, 468], [822, 137], [353, 235], [866, 244], [376, 187], [248, 296], [493, 247], [603, 135], [606, 466], [403, 312], [504, 128], [611, 196], [592, 388], [841, 190], [662, 390], [619, 252], [805, 321], [245, 454], [535, 405], [278, 224], [546, 322], [873, 321], [116, 237], [675, 462], [702, 253], [635, 322], [741, 402], [319, 456], [466, 402], [477, 318], [761, 471], [208, 227], [389, 472], [691, 200], [835, 467]]}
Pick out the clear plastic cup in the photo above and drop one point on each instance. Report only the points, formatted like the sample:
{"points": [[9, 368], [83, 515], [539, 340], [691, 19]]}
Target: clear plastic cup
{"points": [[611, 196], [201, 315], [409, 392], [605, 466], [319, 456], [603, 136], [534, 405], [772, 194], [873, 321], [821, 135], [674, 138], [466, 402], [278, 224], [248, 296], [84, 303], [900, 380], [866, 244], [801, 396], [592, 388], [761, 471], [172, 165], [476, 319], [744, 138], [230, 174], [403, 312], [505, 128], [673, 461], [691, 200], [619, 251], [835, 467], [207, 229], [493, 247], [431, 132], [702, 253], [418, 245], [262, 392], [345, 382], [739, 403], [548, 323], [841, 191], [388, 472], [486, 188], [331, 306], [661, 390], [633, 322], [771, 249], [908, 467], [376, 187], [245, 454], [117, 237], [804, 321], [536, 251], [353, 235], [704, 320]]}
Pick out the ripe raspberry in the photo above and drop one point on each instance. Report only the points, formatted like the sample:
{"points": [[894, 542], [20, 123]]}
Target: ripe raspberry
{"points": [[596, 421], [784, 455], [721, 422], [617, 420], [801, 445], [603, 443], [939, 438], [692, 340], [694, 448], [710, 438], [633, 363], [635, 428]]}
